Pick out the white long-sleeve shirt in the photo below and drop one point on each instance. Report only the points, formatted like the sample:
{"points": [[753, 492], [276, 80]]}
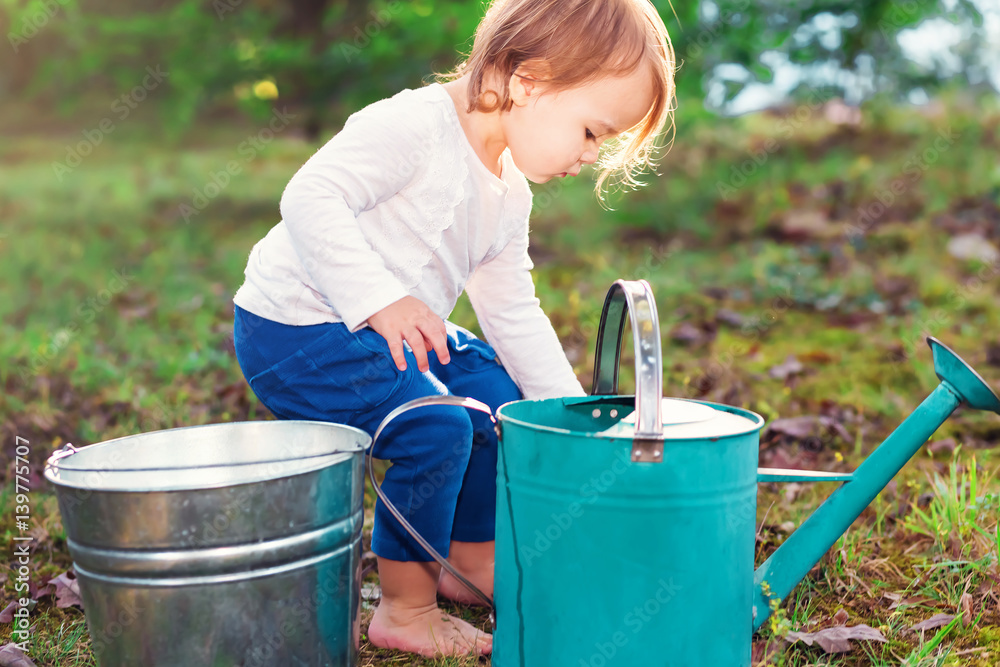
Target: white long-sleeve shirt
{"points": [[396, 204]]}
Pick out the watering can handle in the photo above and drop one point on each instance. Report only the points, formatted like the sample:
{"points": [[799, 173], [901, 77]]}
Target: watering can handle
{"points": [[458, 401], [635, 299]]}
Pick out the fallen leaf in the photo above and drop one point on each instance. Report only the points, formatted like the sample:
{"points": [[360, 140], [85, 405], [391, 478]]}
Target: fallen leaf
{"points": [[966, 605], [892, 287], [993, 354], [955, 547], [817, 357], [134, 313], [806, 426], [791, 491], [687, 333], [805, 224], [42, 422], [840, 618], [779, 457], [935, 621], [899, 600], [852, 319], [7, 615], [973, 246], [789, 367], [67, 590], [836, 639], [371, 593], [717, 293], [730, 318], [764, 650], [12, 656], [33, 590], [40, 534]]}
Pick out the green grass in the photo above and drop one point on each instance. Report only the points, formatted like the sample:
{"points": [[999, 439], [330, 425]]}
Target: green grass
{"points": [[116, 317]]}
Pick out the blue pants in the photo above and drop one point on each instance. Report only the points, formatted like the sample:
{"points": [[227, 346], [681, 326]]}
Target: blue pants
{"points": [[444, 458]]}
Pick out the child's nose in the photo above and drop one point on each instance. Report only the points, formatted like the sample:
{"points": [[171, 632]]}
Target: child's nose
{"points": [[589, 156]]}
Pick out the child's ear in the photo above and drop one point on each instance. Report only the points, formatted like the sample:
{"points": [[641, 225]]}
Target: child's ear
{"points": [[521, 89], [527, 81]]}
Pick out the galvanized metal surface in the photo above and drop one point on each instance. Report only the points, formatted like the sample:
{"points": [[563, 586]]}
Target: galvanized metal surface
{"points": [[634, 299], [211, 558]]}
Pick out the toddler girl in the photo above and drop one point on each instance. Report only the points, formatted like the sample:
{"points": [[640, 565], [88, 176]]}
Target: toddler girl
{"points": [[343, 313]]}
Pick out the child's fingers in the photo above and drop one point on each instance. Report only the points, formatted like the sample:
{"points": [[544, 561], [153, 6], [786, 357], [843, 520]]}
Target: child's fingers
{"points": [[415, 338], [438, 338], [397, 351]]}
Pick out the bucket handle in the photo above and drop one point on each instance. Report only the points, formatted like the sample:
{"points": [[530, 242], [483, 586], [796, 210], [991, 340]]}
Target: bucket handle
{"points": [[425, 401], [635, 299]]}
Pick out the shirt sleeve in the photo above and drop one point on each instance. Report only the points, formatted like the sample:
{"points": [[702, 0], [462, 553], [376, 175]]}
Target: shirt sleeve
{"points": [[373, 157], [503, 295]]}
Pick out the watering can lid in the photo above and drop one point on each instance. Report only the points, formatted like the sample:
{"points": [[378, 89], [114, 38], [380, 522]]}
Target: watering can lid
{"points": [[685, 419]]}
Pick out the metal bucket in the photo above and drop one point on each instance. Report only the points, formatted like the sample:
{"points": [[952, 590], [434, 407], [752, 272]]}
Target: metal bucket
{"points": [[226, 544], [621, 541]]}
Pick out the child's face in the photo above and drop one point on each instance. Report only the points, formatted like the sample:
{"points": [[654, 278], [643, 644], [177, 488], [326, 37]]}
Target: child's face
{"points": [[555, 134]]}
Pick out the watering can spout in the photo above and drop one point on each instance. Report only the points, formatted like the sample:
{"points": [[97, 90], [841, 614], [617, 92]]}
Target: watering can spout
{"points": [[776, 577]]}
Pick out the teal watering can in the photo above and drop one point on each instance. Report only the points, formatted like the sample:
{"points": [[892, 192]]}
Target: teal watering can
{"points": [[626, 525]]}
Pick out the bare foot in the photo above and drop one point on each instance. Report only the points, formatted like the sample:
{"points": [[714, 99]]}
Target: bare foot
{"points": [[453, 589], [427, 631], [474, 560]]}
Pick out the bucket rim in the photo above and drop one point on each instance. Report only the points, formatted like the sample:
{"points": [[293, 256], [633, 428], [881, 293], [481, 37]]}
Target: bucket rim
{"points": [[52, 466], [757, 420]]}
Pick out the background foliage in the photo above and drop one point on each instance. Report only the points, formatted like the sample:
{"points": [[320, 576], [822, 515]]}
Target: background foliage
{"points": [[799, 257], [327, 57]]}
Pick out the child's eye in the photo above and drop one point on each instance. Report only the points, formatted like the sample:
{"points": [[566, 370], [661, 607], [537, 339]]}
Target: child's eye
{"points": [[590, 135]]}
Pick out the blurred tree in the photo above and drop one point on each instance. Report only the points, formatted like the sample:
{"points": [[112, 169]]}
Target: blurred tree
{"points": [[819, 47], [325, 58]]}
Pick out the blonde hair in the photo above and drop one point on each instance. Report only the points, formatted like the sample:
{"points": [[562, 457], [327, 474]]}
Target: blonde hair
{"points": [[577, 42]]}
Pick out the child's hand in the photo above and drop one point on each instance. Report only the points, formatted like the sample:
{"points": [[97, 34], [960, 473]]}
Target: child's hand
{"points": [[410, 320]]}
